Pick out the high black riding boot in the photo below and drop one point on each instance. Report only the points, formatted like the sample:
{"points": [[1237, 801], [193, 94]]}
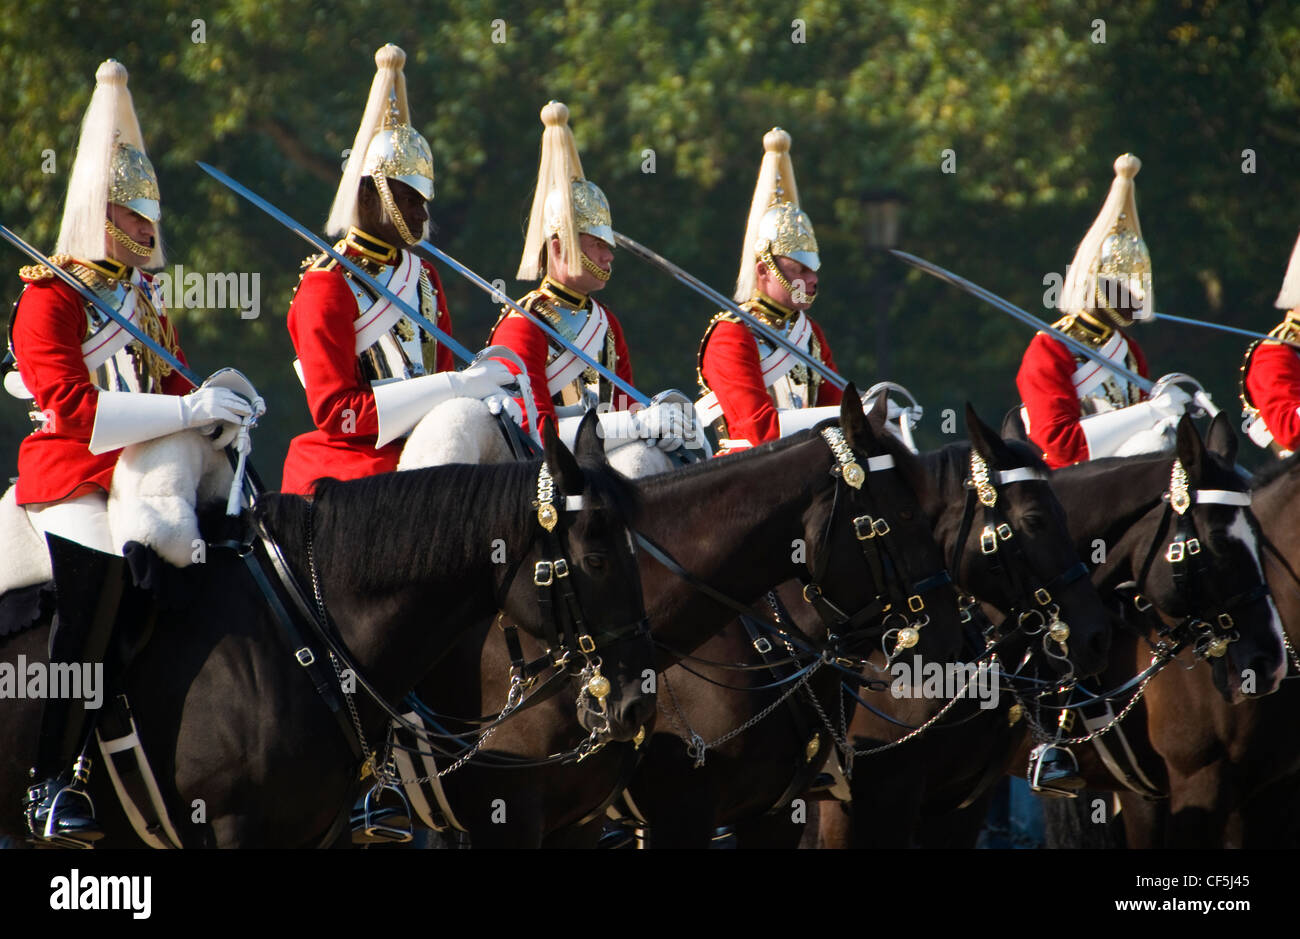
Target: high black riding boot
{"points": [[89, 585]]}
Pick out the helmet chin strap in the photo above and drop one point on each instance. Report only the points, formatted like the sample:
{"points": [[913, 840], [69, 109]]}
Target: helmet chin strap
{"points": [[765, 255], [592, 268], [390, 206], [126, 241]]}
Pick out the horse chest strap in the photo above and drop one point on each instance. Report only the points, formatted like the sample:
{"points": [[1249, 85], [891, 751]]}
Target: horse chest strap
{"points": [[302, 653]]}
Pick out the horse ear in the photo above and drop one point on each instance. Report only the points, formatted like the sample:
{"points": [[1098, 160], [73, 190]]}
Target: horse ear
{"points": [[858, 431], [878, 416], [986, 441], [1222, 439], [1191, 450], [562, 464], [588, 447]]}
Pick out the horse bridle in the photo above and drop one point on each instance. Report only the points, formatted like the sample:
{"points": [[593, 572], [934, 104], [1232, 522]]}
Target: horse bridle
{"points": [[1033, 609], [563, 624], [896, 590], [1210, 634], [888, 572]]}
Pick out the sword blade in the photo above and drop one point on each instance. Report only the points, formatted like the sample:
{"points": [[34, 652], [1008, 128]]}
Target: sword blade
{"points": [[431, 252], [726, 303], [86, 294], [1187, 321], [1015, 312], [239, 189]]}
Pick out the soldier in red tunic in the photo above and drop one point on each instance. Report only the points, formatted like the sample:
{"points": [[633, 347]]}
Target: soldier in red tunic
{"points": [[1270, 374], [570, 237], [369, 372], [1074, 408], [753, 390], [93, 391]]}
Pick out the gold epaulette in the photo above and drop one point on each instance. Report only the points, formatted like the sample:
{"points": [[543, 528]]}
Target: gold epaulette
{"points": [[35, 273], [722, 317], [526, 301], [1076, 327], [1287, 331]]}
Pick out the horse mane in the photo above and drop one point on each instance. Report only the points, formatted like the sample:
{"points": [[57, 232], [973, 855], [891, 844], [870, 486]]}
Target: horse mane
{"points": [[948, 465], [392, 528], [1274, 470]]}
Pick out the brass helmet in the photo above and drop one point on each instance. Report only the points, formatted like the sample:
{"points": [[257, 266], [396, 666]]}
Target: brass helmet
{"points": [[565, 202], [386, 147], [777, 227], [1110, 276], [111, 166]]}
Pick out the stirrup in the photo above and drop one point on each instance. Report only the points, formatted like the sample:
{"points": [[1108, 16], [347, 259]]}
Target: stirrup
{"points": [[1053, 771], [61, 815], [380, 820]]}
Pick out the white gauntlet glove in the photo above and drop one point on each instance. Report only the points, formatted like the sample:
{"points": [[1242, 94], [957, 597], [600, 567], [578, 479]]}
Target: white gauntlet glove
{"points": [[123, 417], [401, 404]]}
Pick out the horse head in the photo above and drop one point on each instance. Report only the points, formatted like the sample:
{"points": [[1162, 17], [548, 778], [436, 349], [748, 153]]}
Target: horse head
{"points": [[877, 521], [582, 589], [1197, 565], [1014, 551]]}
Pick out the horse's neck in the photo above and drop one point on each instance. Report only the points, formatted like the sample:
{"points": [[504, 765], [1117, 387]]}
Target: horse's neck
{"points": [[393, 632], [1105, 501], [734, 525]]}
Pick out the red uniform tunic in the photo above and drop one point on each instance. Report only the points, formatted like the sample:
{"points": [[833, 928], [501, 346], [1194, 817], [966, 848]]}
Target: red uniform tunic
{"points": [[533, 347], [1273, 388], [1046, 386], [54, 462], [730, 366], [339, 397]]}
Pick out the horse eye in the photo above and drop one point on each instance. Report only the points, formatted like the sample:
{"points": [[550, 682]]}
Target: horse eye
{"points": [[905, 514], [1032, 523], [595, 561]]}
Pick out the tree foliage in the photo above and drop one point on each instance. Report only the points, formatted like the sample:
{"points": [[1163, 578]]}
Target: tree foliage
{"points": [[1032, 106]]}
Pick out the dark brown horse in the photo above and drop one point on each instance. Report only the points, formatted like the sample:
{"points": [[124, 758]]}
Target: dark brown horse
{"points": [[741, 525], [1133, 524], [756, 777]]}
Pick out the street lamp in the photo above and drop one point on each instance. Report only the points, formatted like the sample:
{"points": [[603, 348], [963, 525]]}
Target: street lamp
{"points": [[883, 209]]}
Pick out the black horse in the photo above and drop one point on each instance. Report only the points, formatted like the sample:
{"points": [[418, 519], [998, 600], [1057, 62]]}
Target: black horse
{"points": [[741, 525], [245, 752], [1005, 533]]}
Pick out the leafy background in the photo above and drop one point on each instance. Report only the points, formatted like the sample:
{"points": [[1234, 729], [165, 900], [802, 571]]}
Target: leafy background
{"points": [[1033, 107]]}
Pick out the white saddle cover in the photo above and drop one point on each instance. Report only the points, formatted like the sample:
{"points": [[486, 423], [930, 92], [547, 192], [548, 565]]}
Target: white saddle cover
{"points": [[156, 487]]}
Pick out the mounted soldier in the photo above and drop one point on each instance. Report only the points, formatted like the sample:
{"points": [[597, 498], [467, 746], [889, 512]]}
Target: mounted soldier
{"points": [[754, 391], [369, 372], [93, 390], [1075, 409], [570, 246], [1270, 374]]}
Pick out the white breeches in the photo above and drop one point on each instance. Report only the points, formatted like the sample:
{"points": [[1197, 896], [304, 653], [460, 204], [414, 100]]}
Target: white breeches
{"points": [[83, 520]]}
